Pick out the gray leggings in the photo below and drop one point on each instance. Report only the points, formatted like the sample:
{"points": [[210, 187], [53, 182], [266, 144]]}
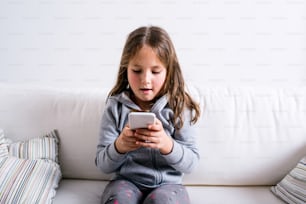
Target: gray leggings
{"points": [[125, 192]]}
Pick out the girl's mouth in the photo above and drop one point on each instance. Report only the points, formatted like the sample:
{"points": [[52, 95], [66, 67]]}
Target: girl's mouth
{"points": [[145, 90]]}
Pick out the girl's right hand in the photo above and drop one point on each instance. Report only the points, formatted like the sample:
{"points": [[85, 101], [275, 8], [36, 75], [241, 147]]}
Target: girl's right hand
{"points": [[126, 141]]}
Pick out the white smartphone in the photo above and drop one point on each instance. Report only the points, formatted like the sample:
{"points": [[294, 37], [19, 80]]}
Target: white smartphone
{"points": [[141, 119]]}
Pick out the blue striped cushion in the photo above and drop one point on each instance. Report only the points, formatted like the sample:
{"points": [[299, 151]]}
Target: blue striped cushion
{"points": [[292, 188], [29, 170], [28, 181], [45, 147]]}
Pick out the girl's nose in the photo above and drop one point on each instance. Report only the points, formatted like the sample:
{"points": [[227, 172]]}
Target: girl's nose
{"points": [[146, 77]]}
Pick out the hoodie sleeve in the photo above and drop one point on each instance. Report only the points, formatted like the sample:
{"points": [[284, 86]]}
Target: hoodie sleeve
{"points": [[184, 155], [108, 159]]}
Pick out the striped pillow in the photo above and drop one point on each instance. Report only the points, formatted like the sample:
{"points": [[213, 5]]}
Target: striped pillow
{"points": [[292, 188], [28, 181], [3, 145], [30, 173], [45, 147]]}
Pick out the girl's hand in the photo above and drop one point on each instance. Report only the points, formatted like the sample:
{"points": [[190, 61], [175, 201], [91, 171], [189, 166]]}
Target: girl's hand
{"points": [[154, 137], [126, 141]]}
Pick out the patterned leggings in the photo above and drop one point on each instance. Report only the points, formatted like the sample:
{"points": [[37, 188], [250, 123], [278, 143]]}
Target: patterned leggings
{"points": [[125, 192]]}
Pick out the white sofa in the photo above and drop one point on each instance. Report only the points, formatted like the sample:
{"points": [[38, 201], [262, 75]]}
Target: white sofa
{"points": [[248, 138]]}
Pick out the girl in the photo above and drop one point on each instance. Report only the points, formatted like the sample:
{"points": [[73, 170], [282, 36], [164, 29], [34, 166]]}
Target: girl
{"points": [[148, 163]]}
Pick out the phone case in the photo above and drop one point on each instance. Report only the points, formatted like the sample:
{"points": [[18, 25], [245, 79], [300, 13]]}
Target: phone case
{"points": [[141, 119]]}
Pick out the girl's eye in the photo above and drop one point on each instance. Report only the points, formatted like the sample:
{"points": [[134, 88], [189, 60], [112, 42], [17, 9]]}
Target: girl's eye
{"points": [[155, 72], [136, 71]]}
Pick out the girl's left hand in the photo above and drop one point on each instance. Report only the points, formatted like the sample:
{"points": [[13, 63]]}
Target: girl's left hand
{"points": [[154, 137]]}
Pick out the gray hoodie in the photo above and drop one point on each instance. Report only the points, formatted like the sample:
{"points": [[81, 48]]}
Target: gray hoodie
{"points": [[145, 167]]}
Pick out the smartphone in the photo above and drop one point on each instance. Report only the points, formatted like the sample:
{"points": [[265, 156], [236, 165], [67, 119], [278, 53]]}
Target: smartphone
{"points": [[141, 119]]}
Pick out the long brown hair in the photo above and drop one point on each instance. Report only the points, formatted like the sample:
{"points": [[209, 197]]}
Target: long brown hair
{"points": [[174, 85]]}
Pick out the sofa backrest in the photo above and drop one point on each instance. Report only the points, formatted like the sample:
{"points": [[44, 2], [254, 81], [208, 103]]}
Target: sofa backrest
{"points": [[32, 112], [246, 136], [250, 136]]}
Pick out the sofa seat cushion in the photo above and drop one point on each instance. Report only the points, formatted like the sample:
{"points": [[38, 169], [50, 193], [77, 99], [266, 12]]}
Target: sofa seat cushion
{"points": [[79, 191], [232, 195], [90, 191]]}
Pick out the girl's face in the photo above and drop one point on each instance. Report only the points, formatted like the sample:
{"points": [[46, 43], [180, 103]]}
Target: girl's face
{"points": [[146, 76]]}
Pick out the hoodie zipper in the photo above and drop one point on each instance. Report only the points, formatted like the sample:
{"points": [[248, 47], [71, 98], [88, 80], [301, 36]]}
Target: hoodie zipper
{"points": [[158, 176]]}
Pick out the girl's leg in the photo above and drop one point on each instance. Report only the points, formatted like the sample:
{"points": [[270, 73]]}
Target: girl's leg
{"points": [[168, 194], [121, 192]]}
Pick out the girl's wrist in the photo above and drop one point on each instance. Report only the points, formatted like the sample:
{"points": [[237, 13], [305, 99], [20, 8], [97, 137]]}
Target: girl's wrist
{"points": [[167, 148], [117, 146]]}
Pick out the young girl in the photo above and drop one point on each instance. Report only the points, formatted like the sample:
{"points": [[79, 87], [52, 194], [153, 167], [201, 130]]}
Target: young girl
{"points": [[148, 163]]}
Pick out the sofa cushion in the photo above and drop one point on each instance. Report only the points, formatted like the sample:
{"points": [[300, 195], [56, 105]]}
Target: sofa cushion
{"points": [[232, 195], [292, 188], [76, 114], [90, 191], [258, 133], [29, 172], [79, 191]]}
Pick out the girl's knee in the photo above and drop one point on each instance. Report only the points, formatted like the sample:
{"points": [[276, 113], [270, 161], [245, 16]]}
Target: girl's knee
{"points": [[123, 197], [167, 195], [121, 192]]}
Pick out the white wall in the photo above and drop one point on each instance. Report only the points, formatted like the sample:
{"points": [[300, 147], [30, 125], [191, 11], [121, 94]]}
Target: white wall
{"points": [[78, 43]]}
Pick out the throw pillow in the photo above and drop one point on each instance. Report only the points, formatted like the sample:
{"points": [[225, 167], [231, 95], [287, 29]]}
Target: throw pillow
{"points": [[30, 172], [28, 181], [45, 147], [292, 188], [3, 145]]}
